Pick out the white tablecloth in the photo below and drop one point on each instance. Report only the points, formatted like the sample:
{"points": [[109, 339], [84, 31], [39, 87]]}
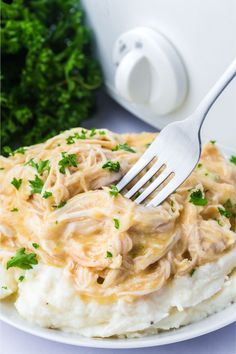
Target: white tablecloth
{"points": [[13, 341]]}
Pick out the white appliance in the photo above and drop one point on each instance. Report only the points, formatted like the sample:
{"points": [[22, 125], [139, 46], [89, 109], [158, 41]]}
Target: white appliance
{"points": [[160, 57]]}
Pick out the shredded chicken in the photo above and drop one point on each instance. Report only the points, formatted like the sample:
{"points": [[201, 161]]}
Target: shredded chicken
{"points": [[75, 225]]}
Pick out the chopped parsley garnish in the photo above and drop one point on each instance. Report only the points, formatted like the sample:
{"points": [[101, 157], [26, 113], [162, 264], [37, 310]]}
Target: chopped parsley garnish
{"points": [[102, 132], [2, 168], [112, 166], [22, 260], [35, 245], [81, 135], [60, 205], [41, 166], [199, 165], [109, 255], [93, 132], [228, 204], [116, 223], [70, 140], [20, 150], [218, 222], [16, 182], [113, 190], [124, 147], [4, 287], [67, 161], [233, 159], [36, 185], [197, 198], [137, 194], [14, 210], [213, 142], [192, 271], [21, 278], [46, 195], [9, 152]]}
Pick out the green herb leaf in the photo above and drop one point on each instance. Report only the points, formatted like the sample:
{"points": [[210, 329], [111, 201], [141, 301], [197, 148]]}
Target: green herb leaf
{"points": [[109, 255], [16, 182], [213, 142], [116, 223], [4, 287], [7, 150], [113, 190], [21, 278], [112, 166], [70, 140], [60, 205], [14, 210], [67, 161], [196, 198], [2, 168], [199, 165], [41, 166], [81, 135], [93, 132], [228, 204], [137, 194], [192, 271], [233, 159], [20, 150], [22, 260], [228, 214], [35, 245], [46, 195], [124, 147], [102, 132], [36, 185]]}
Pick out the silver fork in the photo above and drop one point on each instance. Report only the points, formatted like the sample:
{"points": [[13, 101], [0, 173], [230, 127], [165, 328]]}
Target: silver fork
{"points": [[177, 147]]}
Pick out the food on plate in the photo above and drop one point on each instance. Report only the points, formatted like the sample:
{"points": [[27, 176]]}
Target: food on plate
{"points": [[80, 257]]}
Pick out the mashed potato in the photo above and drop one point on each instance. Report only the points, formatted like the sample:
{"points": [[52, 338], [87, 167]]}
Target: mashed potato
{"points": [[82, 258]]}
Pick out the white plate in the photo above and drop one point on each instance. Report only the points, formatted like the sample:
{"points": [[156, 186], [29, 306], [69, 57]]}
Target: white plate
{"points": [[9, 315]]}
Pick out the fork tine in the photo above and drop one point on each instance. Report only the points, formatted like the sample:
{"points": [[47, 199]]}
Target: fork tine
{"points": [[158, 164], [166, 191], [153, 185], [134, 171]]}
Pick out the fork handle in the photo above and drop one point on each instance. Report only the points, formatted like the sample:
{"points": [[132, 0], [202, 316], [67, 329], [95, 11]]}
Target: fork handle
{"points": [[208, 101]]}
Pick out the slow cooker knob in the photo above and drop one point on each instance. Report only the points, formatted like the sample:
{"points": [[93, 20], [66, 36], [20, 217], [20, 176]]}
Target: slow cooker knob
{"points": [[149, 71]]}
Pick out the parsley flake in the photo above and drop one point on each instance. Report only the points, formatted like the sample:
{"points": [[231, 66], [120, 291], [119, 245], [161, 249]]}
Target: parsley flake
{"points": [[93, 132], [22, 260], [109, 255], [70, 140], [116, 223], [233, 159], [14, 210], [4, 287], [113, 191], [213, 142], [102, 132], [192, 271], [81, 135], [196, 198], [21, 278], [36, 185], [67, 161], [124, 147], [35, 245], [16, 182], [60, 205], [41, 166], [112, 166], [46, 195]]}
